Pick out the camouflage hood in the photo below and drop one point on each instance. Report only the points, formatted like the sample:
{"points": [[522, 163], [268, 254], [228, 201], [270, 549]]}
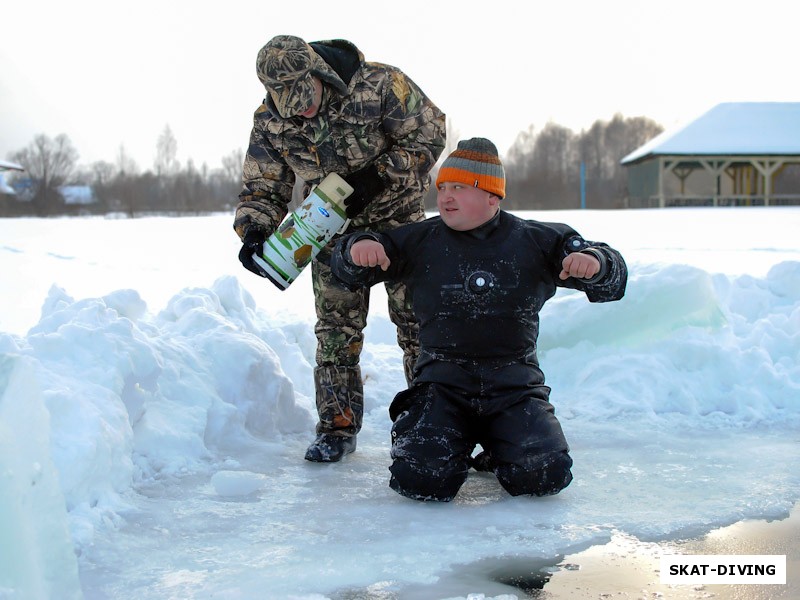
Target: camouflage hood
{"points": [[286, 66], [343, 58]]}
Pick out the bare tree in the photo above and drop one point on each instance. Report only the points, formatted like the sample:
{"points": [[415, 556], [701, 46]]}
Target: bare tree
{"points": [[640, 130], [123, 188], [126, 165], [554, 165], [232, 165], [592, 150], [50, 164], [166, 153], [519, 155], [102, 172], [554, 152]]}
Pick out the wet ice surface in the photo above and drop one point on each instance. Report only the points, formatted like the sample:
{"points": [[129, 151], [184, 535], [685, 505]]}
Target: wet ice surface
{"points": [[339, 530]]}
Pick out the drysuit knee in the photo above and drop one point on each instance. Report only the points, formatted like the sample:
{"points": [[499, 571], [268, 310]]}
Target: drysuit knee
{"points": [[423, 482], [543, 475]]}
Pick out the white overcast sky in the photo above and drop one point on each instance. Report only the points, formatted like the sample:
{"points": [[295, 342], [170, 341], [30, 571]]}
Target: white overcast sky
{"points": [[113, 74]]}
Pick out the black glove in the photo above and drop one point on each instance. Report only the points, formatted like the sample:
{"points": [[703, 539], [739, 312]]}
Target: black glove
{"points": [[367, 184], [252, 243]]}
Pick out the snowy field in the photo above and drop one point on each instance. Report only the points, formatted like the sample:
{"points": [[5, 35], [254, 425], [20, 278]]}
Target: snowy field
{"points": [[156, 401]]}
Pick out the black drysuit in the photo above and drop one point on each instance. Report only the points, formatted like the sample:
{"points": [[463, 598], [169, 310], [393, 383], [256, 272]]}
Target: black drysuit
{"points": [[477, 295]]}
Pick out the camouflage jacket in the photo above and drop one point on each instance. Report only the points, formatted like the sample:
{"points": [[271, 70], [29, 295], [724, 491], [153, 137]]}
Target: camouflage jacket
{"points": [[379, 116]]}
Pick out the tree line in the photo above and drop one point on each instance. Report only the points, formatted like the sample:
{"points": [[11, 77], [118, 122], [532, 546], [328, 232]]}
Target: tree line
{"points": [[543, 171], [543, 168], [119, 186]]}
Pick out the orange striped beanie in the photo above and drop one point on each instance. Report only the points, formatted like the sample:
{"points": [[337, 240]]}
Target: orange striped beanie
{"points": [[476, 163]]}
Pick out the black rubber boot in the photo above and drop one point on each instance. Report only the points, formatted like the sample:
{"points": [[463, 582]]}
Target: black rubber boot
{"points": [[330, 448]]}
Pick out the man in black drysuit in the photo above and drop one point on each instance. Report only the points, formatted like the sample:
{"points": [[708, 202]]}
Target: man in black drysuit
{"points": [[478, 277]]}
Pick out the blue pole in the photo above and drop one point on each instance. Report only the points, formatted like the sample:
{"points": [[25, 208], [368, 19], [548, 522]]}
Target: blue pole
{"points": [[583, 185]]}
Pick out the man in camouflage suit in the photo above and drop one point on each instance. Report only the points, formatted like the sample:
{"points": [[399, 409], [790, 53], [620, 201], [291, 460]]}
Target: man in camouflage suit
{"points": [[327, 110]]}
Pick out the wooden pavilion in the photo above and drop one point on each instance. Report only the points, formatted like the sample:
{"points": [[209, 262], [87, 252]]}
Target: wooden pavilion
{"points": [[736, 154]]}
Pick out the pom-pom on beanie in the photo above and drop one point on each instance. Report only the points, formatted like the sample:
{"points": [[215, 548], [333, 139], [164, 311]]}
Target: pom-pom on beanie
{"points": [[476, 163]]}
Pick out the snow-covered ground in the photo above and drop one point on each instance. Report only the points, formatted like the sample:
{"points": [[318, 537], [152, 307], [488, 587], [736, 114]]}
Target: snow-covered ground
{"points": [[156, 400]]}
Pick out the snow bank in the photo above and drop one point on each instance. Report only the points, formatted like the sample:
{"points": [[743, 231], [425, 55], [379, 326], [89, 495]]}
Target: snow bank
{"points": [[37, 561], [130, 399], [683, 347]]}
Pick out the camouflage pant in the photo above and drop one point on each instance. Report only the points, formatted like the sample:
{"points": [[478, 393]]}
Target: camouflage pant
{"points": [[340, 399], [341, 318]]}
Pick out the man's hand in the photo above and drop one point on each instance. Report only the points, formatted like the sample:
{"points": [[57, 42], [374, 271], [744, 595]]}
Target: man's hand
{"points": [[252, 243], [369, 253], [579, 264]]}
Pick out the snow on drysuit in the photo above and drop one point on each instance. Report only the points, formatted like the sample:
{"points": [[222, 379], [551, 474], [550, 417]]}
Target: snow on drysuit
{"points": [[477, 296]]}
